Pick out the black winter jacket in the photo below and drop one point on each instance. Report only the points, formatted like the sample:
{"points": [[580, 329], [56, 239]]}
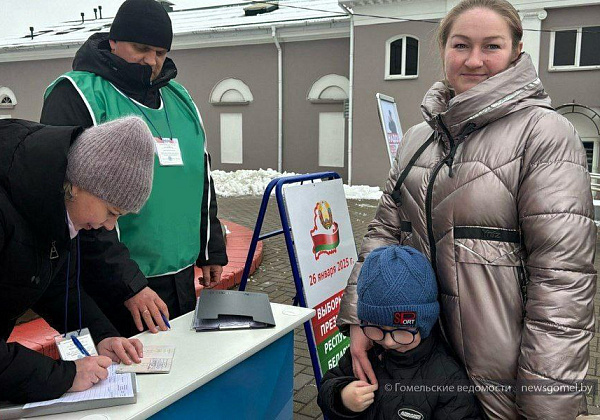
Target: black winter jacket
{"points": [[34, 244], [106, 260], [428, 364]]}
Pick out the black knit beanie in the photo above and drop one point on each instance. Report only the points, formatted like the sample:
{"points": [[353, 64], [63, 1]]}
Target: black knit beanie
{"points": [[142, 21]]}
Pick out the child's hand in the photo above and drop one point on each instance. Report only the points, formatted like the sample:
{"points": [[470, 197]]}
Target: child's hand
{"points": [[358, 395]]}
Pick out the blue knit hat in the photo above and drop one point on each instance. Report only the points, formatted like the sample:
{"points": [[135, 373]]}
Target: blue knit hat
{"points": [[397, 287]]}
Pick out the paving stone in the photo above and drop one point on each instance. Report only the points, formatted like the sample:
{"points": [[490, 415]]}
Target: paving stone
{"points": [[283, 300], [277, 293], [594, 342], [298, 406], [298, 344], [298, 368], [309, 370], [306, 393], [304, 361], [303, 351], [312, 410], [593, 410], [301, 416], [300, 335], [301, 379]]}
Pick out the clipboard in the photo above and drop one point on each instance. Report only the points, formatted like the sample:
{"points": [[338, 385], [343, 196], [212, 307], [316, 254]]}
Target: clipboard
{"points": [[12, 411], [218, 310]]}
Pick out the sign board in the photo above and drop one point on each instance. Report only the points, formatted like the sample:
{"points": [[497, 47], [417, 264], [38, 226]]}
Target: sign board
{"points": [[326, 253], [390, 123]]}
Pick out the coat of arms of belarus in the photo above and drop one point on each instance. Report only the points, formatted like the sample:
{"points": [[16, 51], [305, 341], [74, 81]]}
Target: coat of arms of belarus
{"points": [[325, 234]]}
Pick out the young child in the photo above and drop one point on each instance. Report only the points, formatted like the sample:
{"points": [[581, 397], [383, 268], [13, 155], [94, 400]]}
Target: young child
{"points": [[398, 307]]}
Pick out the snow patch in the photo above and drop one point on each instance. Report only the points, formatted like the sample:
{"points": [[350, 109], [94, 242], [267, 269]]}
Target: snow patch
{"points": [[254, 182], [244, 181], [362, 192]]}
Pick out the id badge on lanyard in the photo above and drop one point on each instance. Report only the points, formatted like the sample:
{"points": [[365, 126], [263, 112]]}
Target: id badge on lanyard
{"points": [[75, 345], [168, 151]]}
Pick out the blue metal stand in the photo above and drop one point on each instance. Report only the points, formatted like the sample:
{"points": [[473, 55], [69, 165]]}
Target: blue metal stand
{"points": [[278, 184]]}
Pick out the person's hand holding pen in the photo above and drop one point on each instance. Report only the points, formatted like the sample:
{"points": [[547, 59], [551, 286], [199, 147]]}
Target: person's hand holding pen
{"points": [[89, 371], [146, 305], [92, 369]]}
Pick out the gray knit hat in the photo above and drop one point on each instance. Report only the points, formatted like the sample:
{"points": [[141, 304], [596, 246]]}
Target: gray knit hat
{"points": [[115, 162]]}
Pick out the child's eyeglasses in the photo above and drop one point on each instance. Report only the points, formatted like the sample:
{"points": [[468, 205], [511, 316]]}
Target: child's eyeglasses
{"points": [[399, 335]]}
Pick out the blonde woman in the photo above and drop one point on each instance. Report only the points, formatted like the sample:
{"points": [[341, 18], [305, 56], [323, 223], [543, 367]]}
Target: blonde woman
{"points": [[493, 187]]}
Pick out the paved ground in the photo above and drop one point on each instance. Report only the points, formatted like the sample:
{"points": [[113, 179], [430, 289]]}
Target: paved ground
{"points": [[275, 278]]}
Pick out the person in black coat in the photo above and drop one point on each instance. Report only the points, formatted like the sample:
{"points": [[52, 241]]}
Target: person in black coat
{"points": [[139, 72], [55, 181], [417, 378]]}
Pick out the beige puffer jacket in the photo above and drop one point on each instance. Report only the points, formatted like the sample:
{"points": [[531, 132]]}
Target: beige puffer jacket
{"points": [[499, 199]]}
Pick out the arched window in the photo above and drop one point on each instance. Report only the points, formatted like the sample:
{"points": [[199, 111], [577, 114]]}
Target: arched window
{"points": [[329, 88], [231, 92], [7, 98], [586, 121], [402, 57]]}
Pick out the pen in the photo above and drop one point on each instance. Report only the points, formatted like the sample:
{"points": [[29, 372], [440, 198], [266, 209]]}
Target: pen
{"points": [[166, 320], [79, 345]]}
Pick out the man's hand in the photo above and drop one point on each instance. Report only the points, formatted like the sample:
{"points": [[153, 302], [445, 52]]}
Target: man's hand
{"points": [[359, 344], [357, 396], [147, 305], [90, 371], [211, 275], [121, 349]]}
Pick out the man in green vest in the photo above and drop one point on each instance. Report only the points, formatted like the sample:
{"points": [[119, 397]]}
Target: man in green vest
{"points": [[144, 269]]}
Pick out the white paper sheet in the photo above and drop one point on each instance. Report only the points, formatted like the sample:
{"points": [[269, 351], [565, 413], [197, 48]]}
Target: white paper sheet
{"points": [[115, 386], [157, 359]]}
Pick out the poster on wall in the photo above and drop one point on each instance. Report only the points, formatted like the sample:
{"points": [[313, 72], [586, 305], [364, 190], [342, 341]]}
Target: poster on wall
{"points": [[326, 253], [390, 123]]}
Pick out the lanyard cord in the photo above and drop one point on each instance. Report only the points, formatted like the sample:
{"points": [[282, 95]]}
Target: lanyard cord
{"points": [[150, 121], [67, 291], [78, 289]]}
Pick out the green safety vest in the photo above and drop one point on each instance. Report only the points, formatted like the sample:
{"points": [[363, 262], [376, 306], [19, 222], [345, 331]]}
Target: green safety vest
{"points": [[164, 237]]}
